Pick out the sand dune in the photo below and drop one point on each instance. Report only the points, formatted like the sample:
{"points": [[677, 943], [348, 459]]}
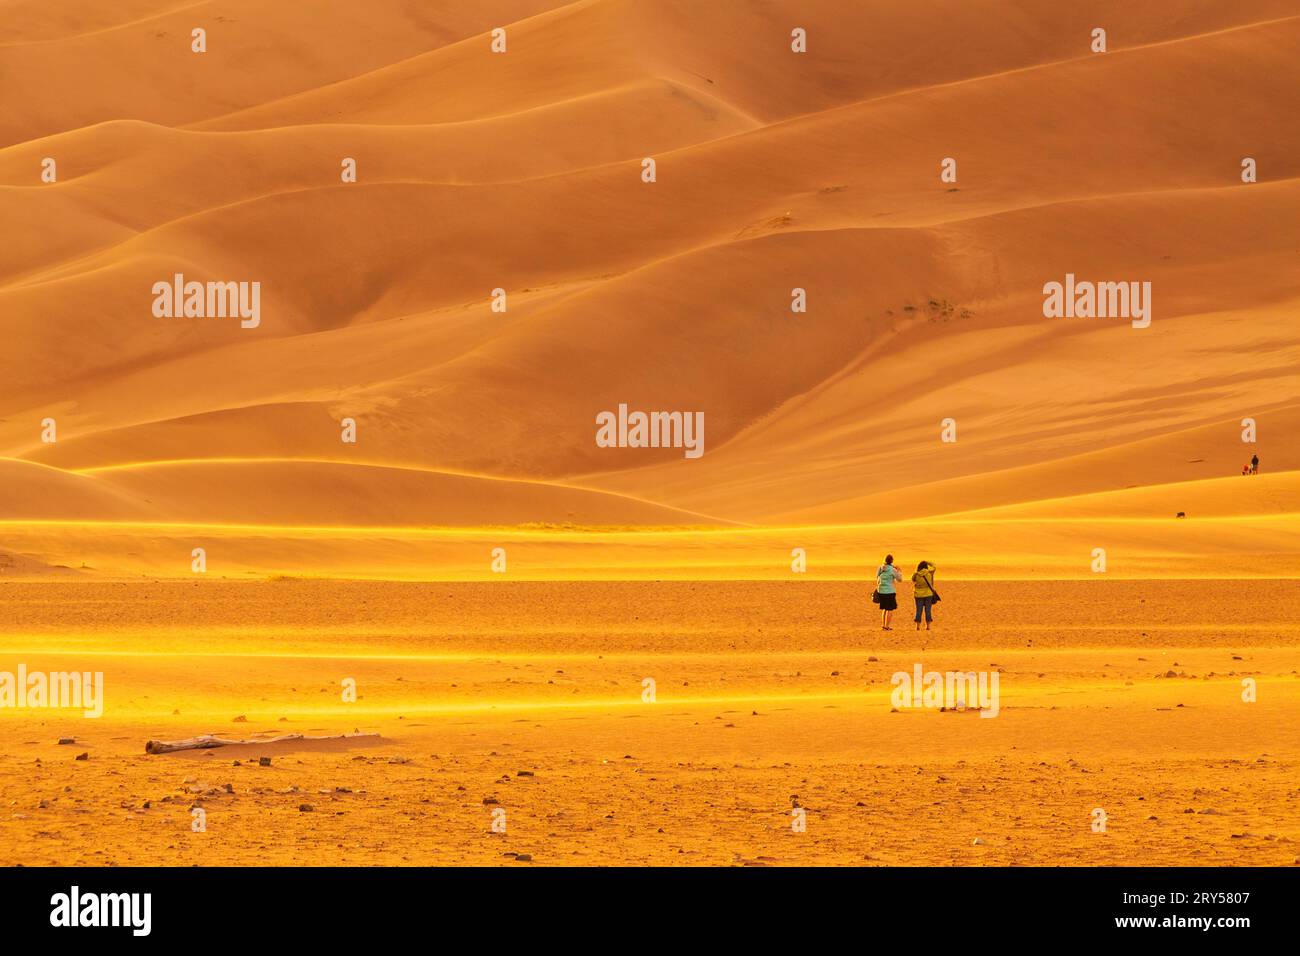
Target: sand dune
{"points": [[50, 56], [267, 492], [522, 171]]}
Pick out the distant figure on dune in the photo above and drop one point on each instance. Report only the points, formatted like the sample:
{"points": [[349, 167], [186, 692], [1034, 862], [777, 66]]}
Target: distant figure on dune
{"points": [[886, 596], [1254, 464], [923, 591]]}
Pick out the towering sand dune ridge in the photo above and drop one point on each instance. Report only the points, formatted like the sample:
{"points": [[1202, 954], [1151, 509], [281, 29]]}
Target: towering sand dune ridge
{"points": [[64, 68], [874, 334], [730, 49], [878, 156], [775, 171]]}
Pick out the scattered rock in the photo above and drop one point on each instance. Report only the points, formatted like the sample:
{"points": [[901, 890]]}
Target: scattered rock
{"points": [[264, 761], [67, 740], [83, 756], [306, 808]]}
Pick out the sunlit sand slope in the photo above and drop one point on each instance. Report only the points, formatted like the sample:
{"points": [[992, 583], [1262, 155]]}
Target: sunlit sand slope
{"points": [[1234, 527]]}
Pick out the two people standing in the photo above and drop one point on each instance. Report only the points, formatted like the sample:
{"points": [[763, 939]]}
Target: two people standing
{"points": [[887, 578]]}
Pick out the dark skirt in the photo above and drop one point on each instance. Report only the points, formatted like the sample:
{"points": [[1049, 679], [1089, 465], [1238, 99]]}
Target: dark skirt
{"points": [[889, 602]]}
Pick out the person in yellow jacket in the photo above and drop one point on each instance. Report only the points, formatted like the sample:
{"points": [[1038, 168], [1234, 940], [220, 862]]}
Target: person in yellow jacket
{"points": [[923, 592]]}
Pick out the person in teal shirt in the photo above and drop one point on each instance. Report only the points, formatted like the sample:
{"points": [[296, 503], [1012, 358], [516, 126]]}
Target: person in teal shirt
{"points": [[887, 577]]}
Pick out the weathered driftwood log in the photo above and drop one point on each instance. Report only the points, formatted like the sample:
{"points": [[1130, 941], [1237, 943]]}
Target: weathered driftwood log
{"points": [[208, 741]]}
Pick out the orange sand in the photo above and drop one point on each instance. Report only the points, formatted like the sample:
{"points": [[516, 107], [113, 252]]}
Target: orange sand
{"points": [[475, 428], [765, 691]]}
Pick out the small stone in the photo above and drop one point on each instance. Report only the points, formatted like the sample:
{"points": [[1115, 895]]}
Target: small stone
{"points": [[524, 857], [67, 740], [83, 756], [264, 761], [306, 808], [977, 842], [241, 719]]}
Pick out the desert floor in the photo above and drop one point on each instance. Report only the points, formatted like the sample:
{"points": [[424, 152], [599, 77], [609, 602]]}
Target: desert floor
{"points": [[768, 695]]}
